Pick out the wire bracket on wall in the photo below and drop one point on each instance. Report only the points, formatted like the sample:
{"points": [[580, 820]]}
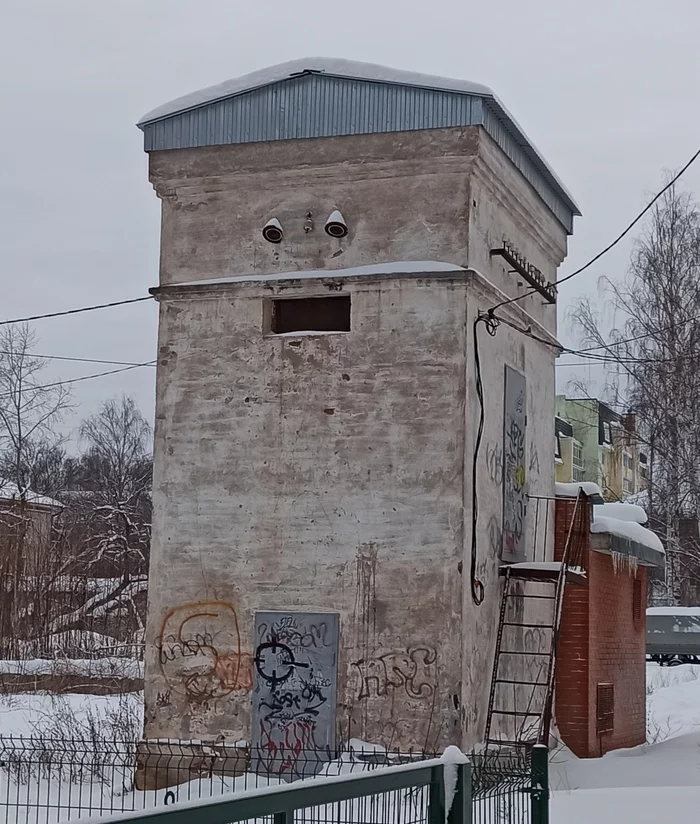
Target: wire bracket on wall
{"points": [[526, 270]]}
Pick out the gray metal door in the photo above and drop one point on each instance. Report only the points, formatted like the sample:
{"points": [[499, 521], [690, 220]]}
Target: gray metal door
{"points": [[294, 690]]}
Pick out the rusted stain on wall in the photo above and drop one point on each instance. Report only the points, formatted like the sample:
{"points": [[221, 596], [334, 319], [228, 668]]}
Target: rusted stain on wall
{"points": [[392, 694], [200, 652], [365, 610]]}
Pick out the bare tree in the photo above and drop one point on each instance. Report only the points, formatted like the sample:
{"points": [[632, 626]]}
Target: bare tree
{"points": [[116, 471], [30, 407], [657, 350], [107, 524]]}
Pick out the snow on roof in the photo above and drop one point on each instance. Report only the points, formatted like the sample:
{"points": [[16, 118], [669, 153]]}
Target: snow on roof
{"points": [[571, 490], [680, 611], [11, 492], [351, 70], [622, 512], [627, 529], [399, 267], [336, 67]]}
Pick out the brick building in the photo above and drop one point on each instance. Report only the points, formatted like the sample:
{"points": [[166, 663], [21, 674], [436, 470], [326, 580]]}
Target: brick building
{"points": [[600, 696]]}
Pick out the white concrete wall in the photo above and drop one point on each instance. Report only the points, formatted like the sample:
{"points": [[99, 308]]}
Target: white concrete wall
{"points": [[316, 473], [265, 499], [405, 196]]}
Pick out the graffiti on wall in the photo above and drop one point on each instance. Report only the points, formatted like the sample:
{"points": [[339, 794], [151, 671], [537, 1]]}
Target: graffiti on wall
{"points": [[395, 698], [296, 657], [514, 475], [200, 653], [494, 462], [412, 671]]}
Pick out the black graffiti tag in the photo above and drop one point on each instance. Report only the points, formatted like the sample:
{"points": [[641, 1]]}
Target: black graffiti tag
{"points": [[275, 663]]}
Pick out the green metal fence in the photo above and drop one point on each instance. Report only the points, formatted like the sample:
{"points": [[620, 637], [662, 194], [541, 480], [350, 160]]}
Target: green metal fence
{"points": [[429, 792], [510, 788], [51, 781]]}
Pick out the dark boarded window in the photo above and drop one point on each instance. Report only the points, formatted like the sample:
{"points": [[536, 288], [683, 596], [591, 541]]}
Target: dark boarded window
{"points": [[605, 714], [637, 600], [328, 314]]}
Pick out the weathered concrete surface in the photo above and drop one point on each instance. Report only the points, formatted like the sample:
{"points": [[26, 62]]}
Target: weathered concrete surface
{"points": [[333, 472], [536, 362], [449, 195], [317, 473]]}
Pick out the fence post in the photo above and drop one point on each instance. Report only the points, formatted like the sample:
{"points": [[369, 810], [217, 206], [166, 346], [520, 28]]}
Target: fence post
{"points": [[436, 798], [539, 772], [285, 817], [461, 807]]}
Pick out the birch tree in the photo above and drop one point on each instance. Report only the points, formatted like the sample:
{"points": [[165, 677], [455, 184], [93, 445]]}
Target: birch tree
{"points": [[657, 350]]}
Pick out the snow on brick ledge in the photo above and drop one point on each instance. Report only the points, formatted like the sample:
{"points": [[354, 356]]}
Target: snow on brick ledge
{"points": [[621, 512], [627, 529]]}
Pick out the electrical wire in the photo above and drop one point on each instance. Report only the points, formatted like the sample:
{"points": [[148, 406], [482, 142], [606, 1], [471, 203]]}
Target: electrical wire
{"points": [[477, 586], [614, 243], [635, 338], [32, 388], [75, 311], [77, 360], [588, 353]]}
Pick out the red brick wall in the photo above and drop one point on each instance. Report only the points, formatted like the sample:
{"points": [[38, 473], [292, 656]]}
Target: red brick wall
{"points": [[617, 652], [599, 642], [572, 680]]}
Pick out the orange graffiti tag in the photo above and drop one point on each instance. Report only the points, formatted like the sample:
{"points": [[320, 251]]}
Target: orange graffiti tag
{"points": [[199, 650]]}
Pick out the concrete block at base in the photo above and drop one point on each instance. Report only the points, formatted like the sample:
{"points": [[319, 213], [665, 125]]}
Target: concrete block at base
{"points": [[161, 764]]}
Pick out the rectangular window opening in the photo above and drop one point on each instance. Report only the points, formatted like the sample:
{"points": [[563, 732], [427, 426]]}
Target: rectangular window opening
{"points": [[326, 314], [578, 472], [607, 433], [605, 708]]}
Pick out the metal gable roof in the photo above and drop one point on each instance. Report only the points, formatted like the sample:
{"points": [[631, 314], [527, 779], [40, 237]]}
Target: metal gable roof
{"points": [[321, 97]]}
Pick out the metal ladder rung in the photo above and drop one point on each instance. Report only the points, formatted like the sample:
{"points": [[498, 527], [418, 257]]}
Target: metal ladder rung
{"points": [[519, 714], [521, 683], [527, 626], [521, 652]]}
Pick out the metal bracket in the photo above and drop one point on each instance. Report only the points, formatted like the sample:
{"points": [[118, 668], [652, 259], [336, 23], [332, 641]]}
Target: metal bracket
{"points": [[526, 270]]}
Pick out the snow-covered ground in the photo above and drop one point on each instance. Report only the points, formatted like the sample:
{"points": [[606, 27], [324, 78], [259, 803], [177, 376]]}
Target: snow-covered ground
{"points": [[26, 714], [659, 781]]}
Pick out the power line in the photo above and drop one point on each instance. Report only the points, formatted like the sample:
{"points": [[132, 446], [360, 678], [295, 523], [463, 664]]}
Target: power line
{"points": [[614, 243], [612, 359], [653, 332], [75, 311], [77, 360], [602, 358], [78, 380]]}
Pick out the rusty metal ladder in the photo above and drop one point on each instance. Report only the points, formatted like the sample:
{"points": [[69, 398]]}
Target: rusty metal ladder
{"points": [[523, 705]]}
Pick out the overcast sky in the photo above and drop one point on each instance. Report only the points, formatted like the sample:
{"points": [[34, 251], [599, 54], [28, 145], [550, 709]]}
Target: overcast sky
{"points": [[608, 91]]}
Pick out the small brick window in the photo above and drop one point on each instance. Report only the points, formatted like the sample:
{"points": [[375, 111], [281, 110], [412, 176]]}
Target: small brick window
{"points": [[637, 600], [605, 708]]}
